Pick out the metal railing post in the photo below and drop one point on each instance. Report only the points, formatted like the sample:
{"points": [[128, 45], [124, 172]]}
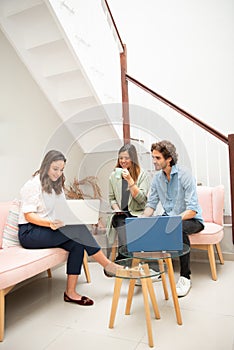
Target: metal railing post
{"points": [[125, 100]]}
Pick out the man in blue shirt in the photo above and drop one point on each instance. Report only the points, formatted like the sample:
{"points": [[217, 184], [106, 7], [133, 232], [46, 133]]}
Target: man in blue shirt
{"points": [[175, 188]]}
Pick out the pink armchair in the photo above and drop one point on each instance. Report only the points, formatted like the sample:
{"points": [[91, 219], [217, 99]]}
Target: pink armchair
{"points": [[211, 200]]}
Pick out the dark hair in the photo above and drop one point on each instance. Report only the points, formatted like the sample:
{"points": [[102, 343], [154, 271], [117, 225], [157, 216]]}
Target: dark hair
{"points": [[47, 184], [135, 167], [167, 149]]}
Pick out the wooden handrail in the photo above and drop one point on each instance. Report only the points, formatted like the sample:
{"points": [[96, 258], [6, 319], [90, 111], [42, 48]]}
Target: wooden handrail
{"points": [[113, 22], [179, 110]]}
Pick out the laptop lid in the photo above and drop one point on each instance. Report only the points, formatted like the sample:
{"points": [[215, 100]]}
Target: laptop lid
{"points": [[78, 211], [155, 233]]}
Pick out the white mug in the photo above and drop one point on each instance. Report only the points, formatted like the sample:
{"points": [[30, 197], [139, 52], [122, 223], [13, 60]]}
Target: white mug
{"points": [[118, 173]]}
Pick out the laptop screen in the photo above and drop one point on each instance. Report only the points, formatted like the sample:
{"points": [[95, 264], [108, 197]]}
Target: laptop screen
{"points": [[78, 211]]}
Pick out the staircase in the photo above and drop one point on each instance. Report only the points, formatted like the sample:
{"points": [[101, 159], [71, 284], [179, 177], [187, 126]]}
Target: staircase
{"points": [[35, 30]]}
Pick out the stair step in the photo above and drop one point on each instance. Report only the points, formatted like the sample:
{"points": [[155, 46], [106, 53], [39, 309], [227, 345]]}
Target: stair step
{"points": [[35, 25], [76, 106], [14, 7], [53, 58], [68, 86]]}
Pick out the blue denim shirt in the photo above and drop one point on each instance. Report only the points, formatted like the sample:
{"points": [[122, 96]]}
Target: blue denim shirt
{"points": [[177, 195]]}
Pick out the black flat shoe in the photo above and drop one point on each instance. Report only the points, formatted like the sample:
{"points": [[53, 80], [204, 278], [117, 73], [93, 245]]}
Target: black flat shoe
{"points": [[84, 301]]}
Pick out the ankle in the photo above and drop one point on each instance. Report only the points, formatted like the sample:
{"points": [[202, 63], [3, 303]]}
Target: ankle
{"points": [[108, 263]]}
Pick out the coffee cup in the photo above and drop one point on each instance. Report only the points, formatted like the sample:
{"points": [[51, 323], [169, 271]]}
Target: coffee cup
{"points": [[118, 173]]}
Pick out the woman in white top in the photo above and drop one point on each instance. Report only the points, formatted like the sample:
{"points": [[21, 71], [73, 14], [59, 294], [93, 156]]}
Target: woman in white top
{"points": [[39, 229]]}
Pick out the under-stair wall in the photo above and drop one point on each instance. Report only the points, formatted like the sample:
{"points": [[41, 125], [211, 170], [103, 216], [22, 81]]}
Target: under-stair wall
{"points": [[35, 31]]}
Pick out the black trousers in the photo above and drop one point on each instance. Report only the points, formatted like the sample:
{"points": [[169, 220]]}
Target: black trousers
{"points": [[188, 227], [118, 223], [73, 238]]}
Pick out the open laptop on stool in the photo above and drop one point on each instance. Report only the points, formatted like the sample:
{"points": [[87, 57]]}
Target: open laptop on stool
{"points": [[154, 233]]}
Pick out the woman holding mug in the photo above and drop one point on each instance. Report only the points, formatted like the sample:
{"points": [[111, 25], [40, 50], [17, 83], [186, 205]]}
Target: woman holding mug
{"points": [[128, 189]]}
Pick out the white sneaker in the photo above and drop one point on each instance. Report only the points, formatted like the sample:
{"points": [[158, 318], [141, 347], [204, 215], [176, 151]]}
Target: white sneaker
{"points": [[183, 286], [156, 278]]}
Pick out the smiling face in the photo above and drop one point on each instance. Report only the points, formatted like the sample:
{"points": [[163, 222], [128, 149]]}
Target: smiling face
{"points": [[56, 170], [160, 163], [124, 160]]}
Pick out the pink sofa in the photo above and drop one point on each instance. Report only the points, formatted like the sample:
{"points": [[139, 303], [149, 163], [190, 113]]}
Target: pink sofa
{"points": [[18, 264]]}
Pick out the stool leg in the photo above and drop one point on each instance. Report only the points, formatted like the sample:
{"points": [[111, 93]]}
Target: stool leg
{"points": [[147, 312], [130, 296], [163, 276], [115, 300], [173, 290], [151, 291], [153, 298], [135, 262], [114, 251], [132, 282]]}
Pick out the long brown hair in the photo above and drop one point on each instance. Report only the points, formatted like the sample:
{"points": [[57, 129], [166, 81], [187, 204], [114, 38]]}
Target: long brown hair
{"points": [[135, 167], [47, 184]]}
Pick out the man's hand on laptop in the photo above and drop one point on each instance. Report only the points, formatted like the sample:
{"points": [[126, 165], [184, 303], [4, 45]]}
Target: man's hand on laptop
{"points": [[147, 212]]}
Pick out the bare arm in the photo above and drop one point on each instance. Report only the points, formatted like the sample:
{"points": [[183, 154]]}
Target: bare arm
{"points": [[35, 219], [188, 214]]}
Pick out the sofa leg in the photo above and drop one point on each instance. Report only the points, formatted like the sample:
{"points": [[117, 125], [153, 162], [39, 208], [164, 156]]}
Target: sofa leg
{"points": [[114, 250], [49, 273], [113, 253], [212, 261], [2, 313], [86, 268], [219, 251]]}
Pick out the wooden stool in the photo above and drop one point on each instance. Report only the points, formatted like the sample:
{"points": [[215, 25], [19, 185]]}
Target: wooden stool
{"points": [[141, 272]]}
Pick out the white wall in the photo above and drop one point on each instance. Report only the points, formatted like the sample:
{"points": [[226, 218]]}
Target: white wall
{"points": [[183, 50], [27, 123]]}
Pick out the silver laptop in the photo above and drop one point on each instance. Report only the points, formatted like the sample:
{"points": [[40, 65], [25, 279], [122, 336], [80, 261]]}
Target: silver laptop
{"points": [[78, 211], [155, 233]]}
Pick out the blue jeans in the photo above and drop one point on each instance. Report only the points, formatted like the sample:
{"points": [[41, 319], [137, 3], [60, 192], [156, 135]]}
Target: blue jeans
{"points": [[188, 227], [73, 238]]}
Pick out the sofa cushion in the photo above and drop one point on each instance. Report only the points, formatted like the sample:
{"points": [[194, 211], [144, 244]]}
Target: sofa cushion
{"points": [[10, 230], [17, 263], [4, 210], [212, 234]]}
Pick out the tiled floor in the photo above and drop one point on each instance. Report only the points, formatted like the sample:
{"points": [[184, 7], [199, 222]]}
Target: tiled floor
{"points": [[37, 318]]}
